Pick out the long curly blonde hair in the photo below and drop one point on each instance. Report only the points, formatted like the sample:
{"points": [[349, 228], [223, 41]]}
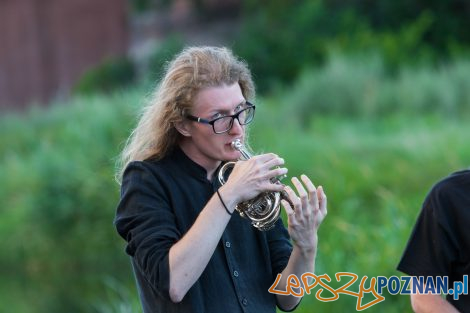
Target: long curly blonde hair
{"points": [[191, 70]]}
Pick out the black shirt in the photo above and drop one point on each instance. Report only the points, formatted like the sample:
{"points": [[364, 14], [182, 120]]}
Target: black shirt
{"points": [[160, 200], [440, 242]]}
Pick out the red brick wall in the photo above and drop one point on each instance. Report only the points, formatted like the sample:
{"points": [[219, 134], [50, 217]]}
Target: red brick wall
{"points": [[45, 45]]}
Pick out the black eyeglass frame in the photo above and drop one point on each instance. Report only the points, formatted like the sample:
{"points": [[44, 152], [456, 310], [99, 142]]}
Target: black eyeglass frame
{"points": [[233, 116]]}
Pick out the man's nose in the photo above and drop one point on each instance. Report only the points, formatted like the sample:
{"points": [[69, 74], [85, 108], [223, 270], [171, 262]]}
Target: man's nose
{"points": [[237, 128]]}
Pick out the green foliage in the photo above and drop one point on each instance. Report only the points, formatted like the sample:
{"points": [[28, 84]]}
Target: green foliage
{"points": [[280, 38], [375, 158], [112, 73], [142, 6], [449, 19], [118, 298], [401, 46], [164, 54], [58, 199], [276, 45], [359, 87]]}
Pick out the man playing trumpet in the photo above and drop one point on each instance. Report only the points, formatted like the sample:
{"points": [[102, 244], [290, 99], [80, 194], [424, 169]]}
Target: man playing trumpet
{"points": [[189, 252]]}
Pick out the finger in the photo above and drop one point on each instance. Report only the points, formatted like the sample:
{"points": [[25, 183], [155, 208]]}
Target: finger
{"points": [[276, 161], [323, 200], [291, 217], [276, 172], [263, 158], [269, 186], [289, 210], [306, 210], [312, 192], [295, 201]]}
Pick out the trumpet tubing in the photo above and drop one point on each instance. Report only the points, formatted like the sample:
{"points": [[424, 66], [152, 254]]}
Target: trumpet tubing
{"points": [[264, 210]]}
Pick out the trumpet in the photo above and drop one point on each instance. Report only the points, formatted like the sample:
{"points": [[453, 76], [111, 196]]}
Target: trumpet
{"points": [[264, 210]]}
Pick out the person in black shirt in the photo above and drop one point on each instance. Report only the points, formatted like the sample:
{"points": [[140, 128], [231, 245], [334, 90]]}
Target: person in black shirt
{"points": [[188, 252], [440, 243]]}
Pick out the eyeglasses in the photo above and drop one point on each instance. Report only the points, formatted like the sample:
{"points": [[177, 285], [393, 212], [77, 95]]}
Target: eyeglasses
{"points": [[223, 124]]}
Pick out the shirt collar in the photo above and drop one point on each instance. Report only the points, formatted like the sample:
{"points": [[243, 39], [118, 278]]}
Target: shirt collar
{"points": [[187, 165]]}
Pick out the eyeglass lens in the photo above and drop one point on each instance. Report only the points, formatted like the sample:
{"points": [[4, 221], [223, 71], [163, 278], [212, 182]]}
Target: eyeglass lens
{"points": [[225, 123]]}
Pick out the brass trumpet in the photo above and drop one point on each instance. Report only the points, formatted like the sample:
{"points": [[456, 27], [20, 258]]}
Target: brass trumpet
{"points": [[263, 211]]}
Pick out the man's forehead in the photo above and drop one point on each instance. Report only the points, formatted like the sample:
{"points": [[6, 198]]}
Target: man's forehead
{"points": [[219, 98]]}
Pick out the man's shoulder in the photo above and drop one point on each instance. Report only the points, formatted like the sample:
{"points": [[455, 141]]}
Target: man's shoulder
{"points": [[452, 183], [450, 194], [149, 168]]}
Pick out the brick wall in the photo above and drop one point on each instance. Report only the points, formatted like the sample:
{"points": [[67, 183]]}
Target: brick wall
{"points": [[45, 45]]}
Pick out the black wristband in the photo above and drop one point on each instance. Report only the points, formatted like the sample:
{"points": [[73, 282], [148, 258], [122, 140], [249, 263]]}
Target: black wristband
{"points": [[223, 203]]}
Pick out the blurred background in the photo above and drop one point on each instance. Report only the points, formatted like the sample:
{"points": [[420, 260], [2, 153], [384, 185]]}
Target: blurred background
{"points": [[369, 98]]}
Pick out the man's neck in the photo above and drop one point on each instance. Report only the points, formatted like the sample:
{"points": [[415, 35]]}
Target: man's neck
{"points": [[209, 165]]}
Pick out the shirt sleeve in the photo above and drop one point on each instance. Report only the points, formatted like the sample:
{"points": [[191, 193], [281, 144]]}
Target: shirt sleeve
{"points": [[280, 247], [433, 246], [145, 220]]}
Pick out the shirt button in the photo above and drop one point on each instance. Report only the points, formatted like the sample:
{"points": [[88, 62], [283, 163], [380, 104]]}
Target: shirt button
{"points": [[244, 301], [227, 244], [235, 273]]}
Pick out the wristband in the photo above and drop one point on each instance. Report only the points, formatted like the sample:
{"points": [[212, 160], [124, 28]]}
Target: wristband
{"points": [[223, 203]]}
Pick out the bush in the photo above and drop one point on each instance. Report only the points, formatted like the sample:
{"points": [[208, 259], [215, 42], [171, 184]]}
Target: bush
{"points": [[163, 54], [112, 73], [360, 87], [58, 200], [278, 39]]}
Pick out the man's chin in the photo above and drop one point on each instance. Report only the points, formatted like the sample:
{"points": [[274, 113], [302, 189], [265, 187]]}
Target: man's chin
{"points": [[232, 156]]}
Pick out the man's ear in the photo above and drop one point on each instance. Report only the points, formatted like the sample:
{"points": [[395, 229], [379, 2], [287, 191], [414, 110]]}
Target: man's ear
{"points": [[182, 128]]}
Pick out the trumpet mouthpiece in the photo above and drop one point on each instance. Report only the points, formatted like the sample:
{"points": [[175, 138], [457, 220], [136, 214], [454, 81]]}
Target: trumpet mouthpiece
{"points": [[237, 145]]}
